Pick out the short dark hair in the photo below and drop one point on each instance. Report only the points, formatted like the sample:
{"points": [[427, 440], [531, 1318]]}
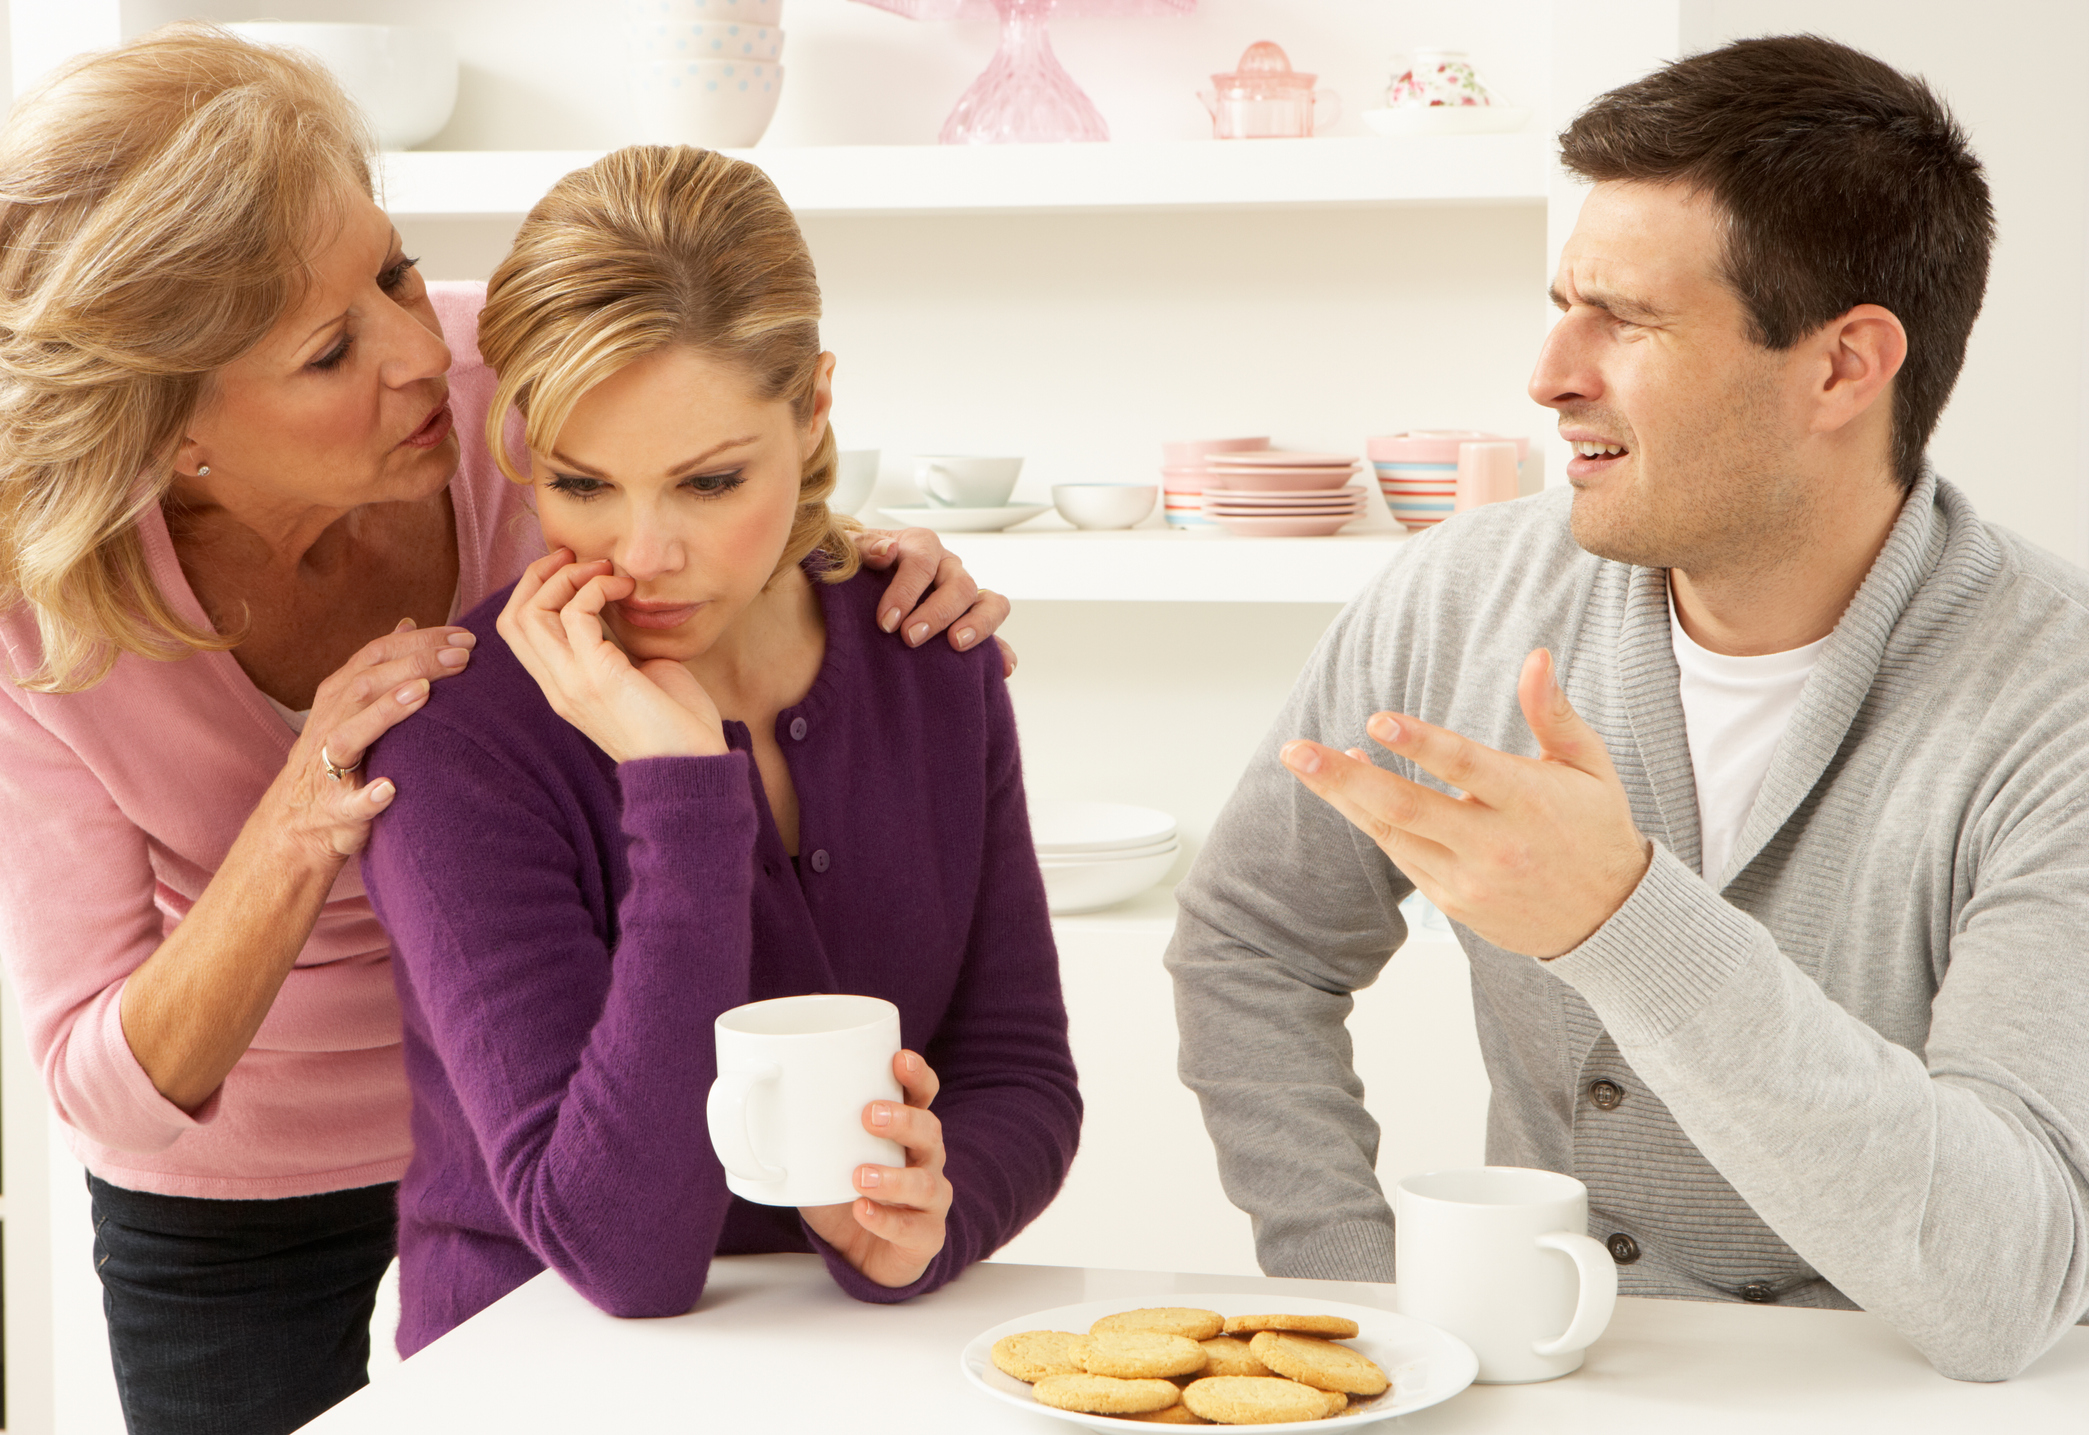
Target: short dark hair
{"points": [[1842, 182]]}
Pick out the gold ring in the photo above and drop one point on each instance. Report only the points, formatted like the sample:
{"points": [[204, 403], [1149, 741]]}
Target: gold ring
{"points": [[333, 769]]}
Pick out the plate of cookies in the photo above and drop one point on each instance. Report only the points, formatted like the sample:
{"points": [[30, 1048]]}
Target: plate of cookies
{"points": [[1282, 1363]]}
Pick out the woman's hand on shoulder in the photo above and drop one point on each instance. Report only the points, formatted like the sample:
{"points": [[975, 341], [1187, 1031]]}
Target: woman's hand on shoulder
{"points": [[326, 817], [954, 603], [896, 1227], [553, 623]]}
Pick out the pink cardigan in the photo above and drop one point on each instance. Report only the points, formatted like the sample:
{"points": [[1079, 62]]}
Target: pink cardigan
{"points": [[116, 806]]}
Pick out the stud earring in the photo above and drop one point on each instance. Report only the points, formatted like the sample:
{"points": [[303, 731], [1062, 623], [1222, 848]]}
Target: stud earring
{"points": [[203, 471]]}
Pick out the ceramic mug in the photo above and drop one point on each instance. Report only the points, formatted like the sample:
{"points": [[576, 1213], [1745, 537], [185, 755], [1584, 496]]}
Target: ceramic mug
{"points": [[1501, 1257], [1486, 472], [952, 480], [786, 1112]]}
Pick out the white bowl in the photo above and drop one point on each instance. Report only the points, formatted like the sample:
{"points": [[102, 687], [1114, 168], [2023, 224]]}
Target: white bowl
{"points": [[855, 475], [1445, 120], [699, 12], [718, 104], [1065, 826], [712, 40], [1104, 505], [1072, 887], [403, 76]]}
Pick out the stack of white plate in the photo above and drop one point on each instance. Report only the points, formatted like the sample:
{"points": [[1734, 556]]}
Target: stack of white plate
{"points": [[1096, 854]]}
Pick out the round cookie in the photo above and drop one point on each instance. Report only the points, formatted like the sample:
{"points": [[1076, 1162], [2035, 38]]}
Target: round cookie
{"points": [[1254, 1400], [1103, 1395], [1230, 1355], [1334, 1327], [1173, 1415], [1141, 1354], [1034, 1354], [1166, 1320], [1319, 1363]]}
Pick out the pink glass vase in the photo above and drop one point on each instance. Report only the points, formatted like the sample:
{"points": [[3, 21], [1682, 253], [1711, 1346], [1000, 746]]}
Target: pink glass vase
{"points": [[1025, 96]]}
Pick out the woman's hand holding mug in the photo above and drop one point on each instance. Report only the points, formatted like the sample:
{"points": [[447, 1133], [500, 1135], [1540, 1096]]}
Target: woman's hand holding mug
{"points": [[895, 1228], [553, 622]]}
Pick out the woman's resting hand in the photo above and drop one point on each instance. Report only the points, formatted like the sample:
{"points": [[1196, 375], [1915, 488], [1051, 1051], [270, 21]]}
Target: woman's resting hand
{"points": [[553, 622], [895, 1229], [955, 602], [383, 684]]}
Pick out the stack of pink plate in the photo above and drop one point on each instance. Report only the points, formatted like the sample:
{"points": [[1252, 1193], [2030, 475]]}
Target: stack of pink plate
{"points": [[1277, 493], [1185, 472]]}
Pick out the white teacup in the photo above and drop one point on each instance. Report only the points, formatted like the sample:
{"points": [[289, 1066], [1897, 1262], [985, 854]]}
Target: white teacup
{"points": [[1501, 1257], [786, 1112], [955, 480]]}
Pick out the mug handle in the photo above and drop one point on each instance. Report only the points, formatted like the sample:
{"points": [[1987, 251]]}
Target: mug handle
{"points": [[1599, 1291], [726, 1113], [1333, 103]]}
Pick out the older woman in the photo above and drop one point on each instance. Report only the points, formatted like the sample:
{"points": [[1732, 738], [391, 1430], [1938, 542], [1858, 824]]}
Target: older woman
{"points": [[244, 493]]}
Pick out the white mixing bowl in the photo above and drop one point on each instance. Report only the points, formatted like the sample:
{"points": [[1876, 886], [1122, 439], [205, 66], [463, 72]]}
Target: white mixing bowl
{"points": [[403, 76]]}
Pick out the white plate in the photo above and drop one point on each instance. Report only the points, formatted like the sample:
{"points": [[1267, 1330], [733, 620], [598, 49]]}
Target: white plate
{"points": [[965, 520], [1446, 120], [1048, 859], [1427, 1365], [1065, 827]]}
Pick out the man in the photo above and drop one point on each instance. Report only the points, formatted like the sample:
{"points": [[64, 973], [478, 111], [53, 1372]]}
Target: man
{"points": [[1773, 864]]}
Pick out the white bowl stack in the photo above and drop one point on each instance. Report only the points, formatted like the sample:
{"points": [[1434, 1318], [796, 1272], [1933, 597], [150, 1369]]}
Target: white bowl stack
{"points": [[705, 72], [1097, 854]]}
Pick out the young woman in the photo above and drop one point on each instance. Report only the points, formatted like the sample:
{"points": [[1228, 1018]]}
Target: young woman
{"points": [[243, 495], [679, 776]]}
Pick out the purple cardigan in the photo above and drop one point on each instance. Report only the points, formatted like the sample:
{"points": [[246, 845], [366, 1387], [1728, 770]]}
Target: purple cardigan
{"points": [[566, 929]]}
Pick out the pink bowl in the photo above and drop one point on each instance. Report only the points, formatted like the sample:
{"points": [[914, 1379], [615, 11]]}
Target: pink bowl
{"points": [[1431, 446], [1191, 451]]}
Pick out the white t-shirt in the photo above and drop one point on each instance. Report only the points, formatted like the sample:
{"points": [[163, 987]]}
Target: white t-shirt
{"points": [[1734, 710]]}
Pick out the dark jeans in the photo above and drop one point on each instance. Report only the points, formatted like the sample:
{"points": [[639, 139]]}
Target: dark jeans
{"points": [[239, 1317]]}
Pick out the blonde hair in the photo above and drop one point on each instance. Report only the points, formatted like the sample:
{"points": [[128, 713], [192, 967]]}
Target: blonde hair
{"points": [[649, 248], [156, 203]]}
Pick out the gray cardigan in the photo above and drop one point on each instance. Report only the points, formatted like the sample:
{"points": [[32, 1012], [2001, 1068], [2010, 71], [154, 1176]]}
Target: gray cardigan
{"points": [[1855, 1067]]}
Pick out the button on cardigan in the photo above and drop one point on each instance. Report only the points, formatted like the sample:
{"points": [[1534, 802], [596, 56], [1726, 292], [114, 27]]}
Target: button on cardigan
{"points": [[567, 929]]}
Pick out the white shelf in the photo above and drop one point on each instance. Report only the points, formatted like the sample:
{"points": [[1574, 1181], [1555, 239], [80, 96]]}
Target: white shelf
{"points": [[917, 179], [1157, 565]]}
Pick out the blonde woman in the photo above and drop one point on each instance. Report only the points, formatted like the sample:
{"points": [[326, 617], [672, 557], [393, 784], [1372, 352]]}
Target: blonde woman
{"points": [[243, 495], [680, 775]]}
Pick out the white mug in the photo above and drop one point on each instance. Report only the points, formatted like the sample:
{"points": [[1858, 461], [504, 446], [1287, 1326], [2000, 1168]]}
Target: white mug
{"points": [[786, 1112], [953, 480], [1500, 1257]]}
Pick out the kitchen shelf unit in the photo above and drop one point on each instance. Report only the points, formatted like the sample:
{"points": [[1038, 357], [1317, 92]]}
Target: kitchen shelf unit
{"points": [[955, 179]]}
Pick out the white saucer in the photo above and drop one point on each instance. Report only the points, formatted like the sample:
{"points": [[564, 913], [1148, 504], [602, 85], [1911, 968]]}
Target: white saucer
{"points": [[1446, 120], [964, 520]]}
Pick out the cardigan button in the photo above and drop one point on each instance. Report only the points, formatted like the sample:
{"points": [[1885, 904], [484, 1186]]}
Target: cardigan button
{"points": [[1607, 1095], [821, 861], [1623, 1249], [1758, 1293], [797, 729]]}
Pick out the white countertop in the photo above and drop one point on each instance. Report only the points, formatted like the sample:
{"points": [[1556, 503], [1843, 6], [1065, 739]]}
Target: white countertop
{"points": [[775, 1346]]}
